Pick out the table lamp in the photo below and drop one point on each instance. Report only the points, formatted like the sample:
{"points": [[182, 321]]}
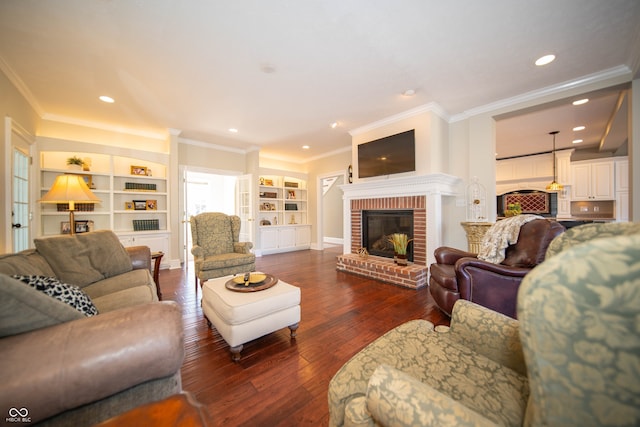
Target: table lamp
{"points": [[70, 189]]}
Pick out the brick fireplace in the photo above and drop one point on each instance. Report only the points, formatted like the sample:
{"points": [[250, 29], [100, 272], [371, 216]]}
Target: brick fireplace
{"points": [[415, 203], [422, 195]]}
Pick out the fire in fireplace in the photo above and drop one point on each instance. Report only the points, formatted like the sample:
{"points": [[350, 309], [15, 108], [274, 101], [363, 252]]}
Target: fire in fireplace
{"points": [[378, 225]]}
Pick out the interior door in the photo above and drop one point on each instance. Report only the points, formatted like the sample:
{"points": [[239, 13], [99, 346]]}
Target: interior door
{"points": [[18, 197], [244, 207], [20, 206]]}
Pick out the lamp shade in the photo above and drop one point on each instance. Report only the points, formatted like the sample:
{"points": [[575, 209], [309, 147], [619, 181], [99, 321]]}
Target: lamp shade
{"points": [[70, 189]]}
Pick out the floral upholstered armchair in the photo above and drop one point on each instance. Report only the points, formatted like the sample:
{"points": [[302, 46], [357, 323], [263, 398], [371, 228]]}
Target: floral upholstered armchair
{"points": [[216, 249], [572, 358]]}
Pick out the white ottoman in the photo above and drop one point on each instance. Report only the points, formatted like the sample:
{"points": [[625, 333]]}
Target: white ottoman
{"points": [[244, 316]]}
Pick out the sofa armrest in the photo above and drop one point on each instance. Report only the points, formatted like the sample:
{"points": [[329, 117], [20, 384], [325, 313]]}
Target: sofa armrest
{"points": [[447, 255], [489, 333], [396, 399], [140, 257], [242, 247], [197, 251], [74, 363]]}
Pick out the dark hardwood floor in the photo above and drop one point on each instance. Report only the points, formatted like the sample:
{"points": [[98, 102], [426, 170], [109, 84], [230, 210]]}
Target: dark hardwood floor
{"points": [[279, 381]]}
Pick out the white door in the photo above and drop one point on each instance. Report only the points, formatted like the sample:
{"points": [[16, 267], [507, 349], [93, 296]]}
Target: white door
{"points": [[20, 206], [18, 196], [244, 207]]}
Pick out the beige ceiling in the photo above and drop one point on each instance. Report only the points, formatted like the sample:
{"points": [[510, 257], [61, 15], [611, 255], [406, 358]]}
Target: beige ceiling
{"points": [[281, 71]]}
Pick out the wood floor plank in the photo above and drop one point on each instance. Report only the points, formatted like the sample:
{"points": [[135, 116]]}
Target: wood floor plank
{"points": [[280, 381]]}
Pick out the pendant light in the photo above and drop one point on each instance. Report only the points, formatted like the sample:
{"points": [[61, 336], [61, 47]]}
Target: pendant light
{"points": [[554, 185]]}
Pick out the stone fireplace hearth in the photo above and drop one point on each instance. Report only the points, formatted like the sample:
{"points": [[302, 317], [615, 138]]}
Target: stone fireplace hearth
{"points": [[423, 196]]}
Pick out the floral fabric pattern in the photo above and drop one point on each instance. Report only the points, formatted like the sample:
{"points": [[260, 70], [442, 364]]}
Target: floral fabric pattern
{"points": [[584, 233], [439, 361], [216, 249], [579, 326]]}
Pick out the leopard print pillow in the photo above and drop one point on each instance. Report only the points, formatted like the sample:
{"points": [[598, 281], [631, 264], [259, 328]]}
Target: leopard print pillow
{"points": [[69, 294]]}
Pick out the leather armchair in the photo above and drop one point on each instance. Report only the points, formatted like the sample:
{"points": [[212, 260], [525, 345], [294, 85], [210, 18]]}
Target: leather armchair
{"points": [[216, 248], [458, 274]]}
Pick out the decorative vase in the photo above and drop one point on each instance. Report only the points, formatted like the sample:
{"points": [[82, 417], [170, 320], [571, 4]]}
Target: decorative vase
{"points": [[74, 167], [401, 259]]}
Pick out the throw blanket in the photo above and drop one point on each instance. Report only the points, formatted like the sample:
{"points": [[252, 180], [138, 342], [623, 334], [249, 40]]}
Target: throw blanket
{"points": [[500, 235]]}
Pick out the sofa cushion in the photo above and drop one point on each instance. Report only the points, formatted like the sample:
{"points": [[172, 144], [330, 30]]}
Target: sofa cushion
{"points": [[24, 309], [130, 279], [415, 348], [81, 259], [26, 262], [125, 298], [68, 294]]}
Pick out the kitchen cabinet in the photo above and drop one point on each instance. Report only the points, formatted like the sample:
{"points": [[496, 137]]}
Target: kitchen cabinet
{"points": [[535, 167], [622, 189], [592, 180]]}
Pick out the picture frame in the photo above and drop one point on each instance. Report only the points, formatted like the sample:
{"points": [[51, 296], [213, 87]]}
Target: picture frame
{"points": [[128, 206], [65, 227], [139, 170], [81, 226], [88, 179], [292, 194], [152, 205], [140, 205], [268, 182]]}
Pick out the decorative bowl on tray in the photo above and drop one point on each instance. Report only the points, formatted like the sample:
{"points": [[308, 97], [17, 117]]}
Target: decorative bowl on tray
{"points": [[253, 278]]}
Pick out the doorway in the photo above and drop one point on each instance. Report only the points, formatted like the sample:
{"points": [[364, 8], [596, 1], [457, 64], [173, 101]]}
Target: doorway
{"points": [[330, 210], [206, 192]]}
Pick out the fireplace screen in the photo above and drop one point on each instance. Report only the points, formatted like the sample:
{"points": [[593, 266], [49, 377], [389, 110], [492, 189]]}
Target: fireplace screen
{"points": [[377, 227]]}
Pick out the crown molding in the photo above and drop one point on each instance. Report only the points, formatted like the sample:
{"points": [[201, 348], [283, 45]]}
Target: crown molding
{"points": [[621, 73], [431, 107], [102, 126], [21, 86], [203, 144]]}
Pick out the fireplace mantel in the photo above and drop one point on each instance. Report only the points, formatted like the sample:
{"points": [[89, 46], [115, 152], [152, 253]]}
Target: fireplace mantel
{"points": [[436, 183], [433, 186]]}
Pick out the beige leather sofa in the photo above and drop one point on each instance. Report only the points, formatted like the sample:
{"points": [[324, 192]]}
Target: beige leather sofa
{"points": [[65, 368]]}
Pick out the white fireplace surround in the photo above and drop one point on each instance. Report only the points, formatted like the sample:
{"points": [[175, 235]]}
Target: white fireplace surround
{"points": [[433, 186]]}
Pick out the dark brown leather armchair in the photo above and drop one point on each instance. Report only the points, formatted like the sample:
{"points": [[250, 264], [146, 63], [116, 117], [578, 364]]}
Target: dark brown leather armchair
{"points": [[459, 274]]}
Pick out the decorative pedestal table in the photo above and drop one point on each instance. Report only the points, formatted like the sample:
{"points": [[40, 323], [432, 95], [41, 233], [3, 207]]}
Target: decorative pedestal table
{"points": [[475, 232]]}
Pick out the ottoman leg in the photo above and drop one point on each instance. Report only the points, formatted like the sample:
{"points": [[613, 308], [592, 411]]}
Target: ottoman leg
{"points": [[293, 329], [235, 352]]}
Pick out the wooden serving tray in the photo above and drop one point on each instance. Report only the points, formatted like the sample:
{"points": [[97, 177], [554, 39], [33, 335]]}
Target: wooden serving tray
{"points": [[252, 287]]}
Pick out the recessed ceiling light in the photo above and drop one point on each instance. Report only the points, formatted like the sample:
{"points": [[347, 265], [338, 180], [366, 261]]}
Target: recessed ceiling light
{"points": [[305, 147], [267, 68], [581, 101], [334, 125], [409, 92], [577, 128], [544, 60], [107, 99], [577, 141], [233, 130]]}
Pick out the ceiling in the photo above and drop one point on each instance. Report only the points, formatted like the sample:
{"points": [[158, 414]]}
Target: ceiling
{"points": [[282, 71]]}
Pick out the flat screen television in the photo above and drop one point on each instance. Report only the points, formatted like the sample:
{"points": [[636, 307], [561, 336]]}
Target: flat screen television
{"points": [[386, 156]]}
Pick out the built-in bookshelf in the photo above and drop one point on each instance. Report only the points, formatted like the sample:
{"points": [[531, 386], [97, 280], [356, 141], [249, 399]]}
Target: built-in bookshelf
{"points": [[282, 217], [133, 198]]}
